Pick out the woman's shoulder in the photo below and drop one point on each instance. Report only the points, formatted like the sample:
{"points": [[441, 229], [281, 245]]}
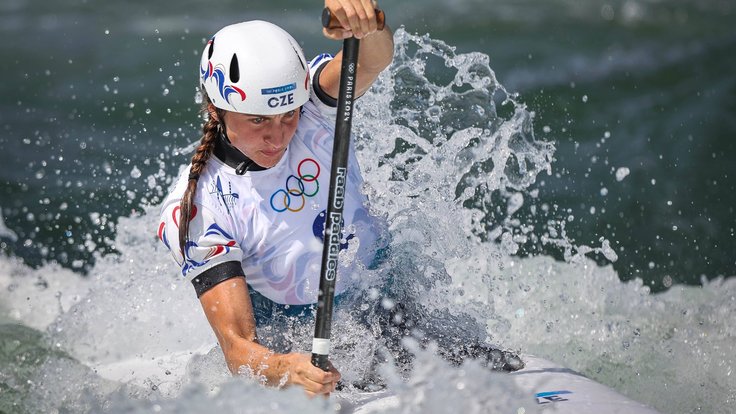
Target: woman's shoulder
{"points": [[214, 178]]}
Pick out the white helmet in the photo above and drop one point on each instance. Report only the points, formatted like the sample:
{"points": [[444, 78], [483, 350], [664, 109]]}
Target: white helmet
{"points": [[254, 68]]}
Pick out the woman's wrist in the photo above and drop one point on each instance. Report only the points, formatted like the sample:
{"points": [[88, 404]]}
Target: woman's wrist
{"points": [[282, 374]]}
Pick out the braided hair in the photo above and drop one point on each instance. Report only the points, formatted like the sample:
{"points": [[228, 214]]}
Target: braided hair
{"points": [[210, 133]]}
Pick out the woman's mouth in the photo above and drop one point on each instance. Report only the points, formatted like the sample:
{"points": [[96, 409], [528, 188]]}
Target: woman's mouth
{"points": [[272, 153]]}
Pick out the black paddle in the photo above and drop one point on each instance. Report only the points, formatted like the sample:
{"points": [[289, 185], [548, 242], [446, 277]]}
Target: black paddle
{"points": [[335, 199]]}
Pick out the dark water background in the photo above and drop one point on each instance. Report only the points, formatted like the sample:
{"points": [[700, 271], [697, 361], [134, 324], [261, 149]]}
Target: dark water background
{"points": [[98, 96]]}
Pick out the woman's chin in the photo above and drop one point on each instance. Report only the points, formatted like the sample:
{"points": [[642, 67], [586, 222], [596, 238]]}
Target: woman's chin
{"points": [[269, 161]]}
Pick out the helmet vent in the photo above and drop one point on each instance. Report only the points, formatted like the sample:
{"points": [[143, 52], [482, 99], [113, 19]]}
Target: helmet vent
{"points": [[299, 58], [234, 69], [212, 49]]}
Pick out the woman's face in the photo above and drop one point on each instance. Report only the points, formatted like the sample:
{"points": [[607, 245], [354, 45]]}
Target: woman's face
{"points": [[262, 138]]}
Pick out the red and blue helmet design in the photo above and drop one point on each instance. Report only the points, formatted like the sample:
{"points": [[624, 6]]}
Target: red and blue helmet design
{"points": [[217, 73]]}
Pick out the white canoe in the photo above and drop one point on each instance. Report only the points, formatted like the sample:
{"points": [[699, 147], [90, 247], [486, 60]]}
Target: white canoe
{"points": [[555, 388]]}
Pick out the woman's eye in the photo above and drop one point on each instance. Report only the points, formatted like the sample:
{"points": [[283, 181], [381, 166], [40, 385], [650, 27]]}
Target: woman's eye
{"points": [[258, 120], [290, 114]]}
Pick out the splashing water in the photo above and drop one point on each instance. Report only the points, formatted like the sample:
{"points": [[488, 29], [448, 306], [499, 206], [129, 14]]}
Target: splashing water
{"points": [[5, 231], [450, 161]]}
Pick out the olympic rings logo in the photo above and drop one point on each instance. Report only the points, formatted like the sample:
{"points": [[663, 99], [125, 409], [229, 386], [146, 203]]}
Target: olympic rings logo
{"points": [[297, 188]]}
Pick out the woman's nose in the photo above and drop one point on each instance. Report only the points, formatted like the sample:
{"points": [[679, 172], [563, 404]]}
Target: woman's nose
{"points": [[276, 135]]}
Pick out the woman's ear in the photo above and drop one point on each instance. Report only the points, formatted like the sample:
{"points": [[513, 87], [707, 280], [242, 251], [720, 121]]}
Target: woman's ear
{"points": [[212, 112]]}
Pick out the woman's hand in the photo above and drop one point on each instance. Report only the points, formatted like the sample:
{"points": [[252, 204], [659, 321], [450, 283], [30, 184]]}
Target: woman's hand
{"points": [[314, 380], [357, 17], [230, 313], [229, 310]]}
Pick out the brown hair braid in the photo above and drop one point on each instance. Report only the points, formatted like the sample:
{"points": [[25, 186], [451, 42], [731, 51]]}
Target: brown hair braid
{"points": [[210, 132]]}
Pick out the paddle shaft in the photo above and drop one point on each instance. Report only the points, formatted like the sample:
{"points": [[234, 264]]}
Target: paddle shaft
{"points": [[336, 200]]}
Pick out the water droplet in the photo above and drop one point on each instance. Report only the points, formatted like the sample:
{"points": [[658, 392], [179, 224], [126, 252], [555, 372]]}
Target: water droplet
{"points": [[621, 173], [135, 172], [667, 281], [607, 12]]}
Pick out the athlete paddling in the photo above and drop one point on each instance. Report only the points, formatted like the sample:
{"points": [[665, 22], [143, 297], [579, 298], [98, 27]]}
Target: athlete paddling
{"points": [[245, 220], [257, 185]]}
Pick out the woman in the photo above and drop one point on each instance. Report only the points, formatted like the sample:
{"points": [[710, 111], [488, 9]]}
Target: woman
{"points": [[256, 189]]}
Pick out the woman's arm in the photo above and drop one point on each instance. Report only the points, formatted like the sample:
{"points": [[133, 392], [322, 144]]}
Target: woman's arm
{"points": [[376, 47], [230, 313]]}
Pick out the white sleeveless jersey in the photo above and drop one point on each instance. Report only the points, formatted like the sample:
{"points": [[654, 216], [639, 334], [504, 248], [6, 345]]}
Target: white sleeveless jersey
{"points": [[272, 221]]}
